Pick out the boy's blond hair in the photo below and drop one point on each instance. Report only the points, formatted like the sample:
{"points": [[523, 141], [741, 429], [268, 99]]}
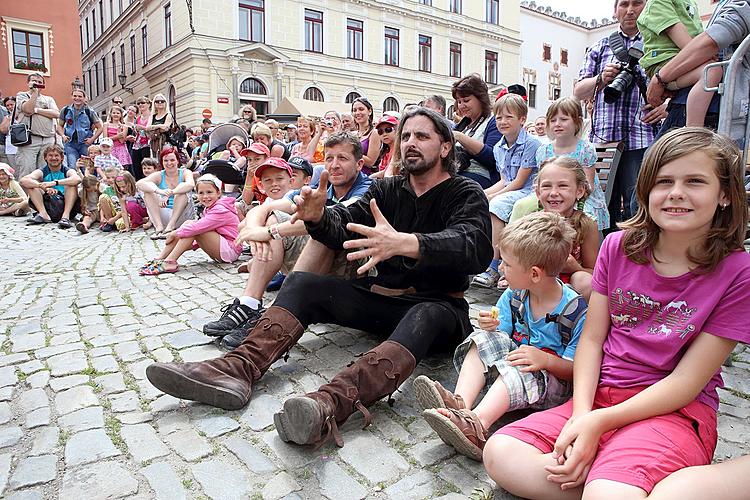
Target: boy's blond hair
{"points": [[513, 103], [541, 239], [262, 130]]}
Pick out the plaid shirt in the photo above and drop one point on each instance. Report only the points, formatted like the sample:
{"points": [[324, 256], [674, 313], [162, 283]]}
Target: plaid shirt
{"points": [[619, 121]]}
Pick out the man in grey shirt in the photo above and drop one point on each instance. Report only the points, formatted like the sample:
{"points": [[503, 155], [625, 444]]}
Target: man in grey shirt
{"points": [[728, 26], [40, 113]]}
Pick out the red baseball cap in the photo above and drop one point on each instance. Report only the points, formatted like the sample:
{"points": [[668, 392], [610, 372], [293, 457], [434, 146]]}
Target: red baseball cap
{"points": [[387, 119], [273, 162], [256, 147]]}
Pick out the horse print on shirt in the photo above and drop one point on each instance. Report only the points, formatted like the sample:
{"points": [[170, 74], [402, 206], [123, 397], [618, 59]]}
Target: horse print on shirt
{"points": [[629, 309]]}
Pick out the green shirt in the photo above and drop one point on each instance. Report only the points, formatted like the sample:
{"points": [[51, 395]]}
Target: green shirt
{"points": [[657, 16]]}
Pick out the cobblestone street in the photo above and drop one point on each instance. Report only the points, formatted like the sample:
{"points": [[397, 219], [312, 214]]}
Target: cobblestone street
{"points": [[79, 420]]}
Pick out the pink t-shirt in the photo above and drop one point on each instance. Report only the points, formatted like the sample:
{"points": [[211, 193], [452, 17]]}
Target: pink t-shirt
{"points": [[654, 318]]}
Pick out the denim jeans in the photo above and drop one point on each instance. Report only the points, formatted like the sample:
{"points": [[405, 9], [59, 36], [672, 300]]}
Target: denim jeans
{"points": [[624, 187], [73, 151]]}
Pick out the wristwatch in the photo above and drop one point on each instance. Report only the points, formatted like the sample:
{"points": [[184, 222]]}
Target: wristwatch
{"points": [[57, 183], [659, 79]]}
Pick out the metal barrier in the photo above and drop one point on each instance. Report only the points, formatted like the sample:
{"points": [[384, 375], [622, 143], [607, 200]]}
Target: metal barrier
{"points": [[732, 72]]}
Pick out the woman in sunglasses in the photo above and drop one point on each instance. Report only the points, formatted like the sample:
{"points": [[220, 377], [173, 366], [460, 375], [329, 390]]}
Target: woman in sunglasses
{"points": [[160, 124], [386, 128], [141, 145]]}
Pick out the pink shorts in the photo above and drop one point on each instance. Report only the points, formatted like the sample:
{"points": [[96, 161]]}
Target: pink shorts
{"points": [[228, 251], [640, 454]]}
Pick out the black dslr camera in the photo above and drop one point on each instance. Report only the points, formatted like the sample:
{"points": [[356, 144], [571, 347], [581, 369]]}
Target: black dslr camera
{"points": [[627, 76]]}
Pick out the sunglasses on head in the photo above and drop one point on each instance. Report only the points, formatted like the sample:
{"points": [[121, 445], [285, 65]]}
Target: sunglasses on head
{"points": [[385, 130], [160, 101], [117, 102]]}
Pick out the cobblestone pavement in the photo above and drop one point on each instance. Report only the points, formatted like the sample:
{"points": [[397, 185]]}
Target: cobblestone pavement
{"points": [[79, 420]]}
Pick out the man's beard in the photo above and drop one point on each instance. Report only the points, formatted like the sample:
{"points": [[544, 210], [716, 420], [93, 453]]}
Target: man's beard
{"points": [[416, 165]]}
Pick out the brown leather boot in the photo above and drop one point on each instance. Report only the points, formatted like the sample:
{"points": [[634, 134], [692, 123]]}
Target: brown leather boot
{"points": [[226, 382], [314, 417]]}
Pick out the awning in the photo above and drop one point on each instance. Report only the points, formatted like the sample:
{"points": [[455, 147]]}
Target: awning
{"points": [[290, 108]]}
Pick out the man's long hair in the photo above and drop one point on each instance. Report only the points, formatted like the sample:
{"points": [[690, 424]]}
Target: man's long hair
{"points": [[441, 127]]}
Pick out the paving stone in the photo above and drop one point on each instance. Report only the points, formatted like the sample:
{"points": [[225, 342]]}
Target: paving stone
{"points": [[99, 481], [27, 494], [111, 383], [458, 477], [46, 441], [84, 419], [234, 481], [431, 452], [11, 359], [413, 487], [164, 481], [47, 352], [75, 398], [31, 366], [280, 486], [258, 414], [111, 339], [147, 391], [34, 470], [105, 364], [93, 310], [734, 430], [8, 376], [10, 435], [293, 457], [89, 446], [32, 399], [143, 443], [159, 330], [187, 338], [188, 444], [64, 338], [58, 384], [38, 418], [28, 342], [138, 369], [134, 417], [129, 351], [200, 353], [5, 413], [5, 460], [67, 363], [216, 425], [163, 355], [337, 484], [124, 401], [39, 379], [248, 454], [165, 403], [372, 458]]}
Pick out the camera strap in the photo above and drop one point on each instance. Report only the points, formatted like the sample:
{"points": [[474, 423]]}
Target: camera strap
{"points": [[618, 47]]}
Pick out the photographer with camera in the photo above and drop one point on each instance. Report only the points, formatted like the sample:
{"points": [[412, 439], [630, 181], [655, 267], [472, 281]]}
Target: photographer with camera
{"points": [[38, 113], [611, 77]]}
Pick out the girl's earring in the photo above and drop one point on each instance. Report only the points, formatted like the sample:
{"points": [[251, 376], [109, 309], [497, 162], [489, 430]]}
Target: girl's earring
{"points": [[580, 204], [723, 206]]}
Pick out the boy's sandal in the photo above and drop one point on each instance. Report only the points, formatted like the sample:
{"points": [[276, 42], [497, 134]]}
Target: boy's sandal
{"points": [[159, 268], [502, 284], [461, 429], [487, 279], [432, 394], [155, 235]]}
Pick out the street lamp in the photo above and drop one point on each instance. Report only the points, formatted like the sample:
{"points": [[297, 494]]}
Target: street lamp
{"points": [[121, 77], [77, 84]]}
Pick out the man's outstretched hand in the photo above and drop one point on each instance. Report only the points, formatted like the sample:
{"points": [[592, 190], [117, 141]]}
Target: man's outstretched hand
{"points": [[380, 243], [311, 202]]}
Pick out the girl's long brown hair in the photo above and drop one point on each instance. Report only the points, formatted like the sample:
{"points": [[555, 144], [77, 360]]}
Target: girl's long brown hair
{"points": [[728, 226], [129, 181]]}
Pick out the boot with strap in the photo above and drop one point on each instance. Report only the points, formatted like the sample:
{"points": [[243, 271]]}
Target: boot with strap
{"points": [[314, 418], [226, 382]]}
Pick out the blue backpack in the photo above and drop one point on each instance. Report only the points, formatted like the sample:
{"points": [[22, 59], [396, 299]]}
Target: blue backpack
{"points": [[566, 321]]}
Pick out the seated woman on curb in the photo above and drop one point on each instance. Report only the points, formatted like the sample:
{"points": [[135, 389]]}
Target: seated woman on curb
{"points": [[215, 232], [13, 199], [168, 195]]}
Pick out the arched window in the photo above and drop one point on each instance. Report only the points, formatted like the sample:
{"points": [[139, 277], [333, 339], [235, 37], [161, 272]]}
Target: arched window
{"points": [[351, 96], [172, 99], [390, 104], [313, 94], [253, 86]]}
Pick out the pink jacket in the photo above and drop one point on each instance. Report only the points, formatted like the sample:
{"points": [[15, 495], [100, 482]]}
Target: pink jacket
{"points": [[220, 217]]}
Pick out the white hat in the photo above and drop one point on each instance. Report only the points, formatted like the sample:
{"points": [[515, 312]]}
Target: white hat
{"points": [[210, 178], [7, 169], [105, 141]]}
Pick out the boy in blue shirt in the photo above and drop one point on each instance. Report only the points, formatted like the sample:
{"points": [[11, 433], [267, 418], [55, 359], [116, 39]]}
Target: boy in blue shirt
{"points": [[515, 158], [519, 352]]}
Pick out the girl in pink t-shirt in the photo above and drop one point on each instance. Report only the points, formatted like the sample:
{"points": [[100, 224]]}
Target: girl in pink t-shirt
{"points": [[667, 307]]}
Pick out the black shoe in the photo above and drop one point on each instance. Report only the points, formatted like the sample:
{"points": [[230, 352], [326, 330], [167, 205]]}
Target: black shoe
{"points": [[64, 223], [235, 314], [38, 219], [234, 338], [108, 228]]}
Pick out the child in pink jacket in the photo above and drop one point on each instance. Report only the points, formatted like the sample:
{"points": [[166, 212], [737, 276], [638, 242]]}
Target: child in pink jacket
{"points": [[215, 232]]}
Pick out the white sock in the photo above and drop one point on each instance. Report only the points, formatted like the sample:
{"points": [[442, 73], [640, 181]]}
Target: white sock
{"points": [[250, 302]]}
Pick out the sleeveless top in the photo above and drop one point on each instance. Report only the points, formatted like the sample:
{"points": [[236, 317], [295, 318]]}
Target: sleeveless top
{"points": [[287, 151], [142, 140], [163, 184]]}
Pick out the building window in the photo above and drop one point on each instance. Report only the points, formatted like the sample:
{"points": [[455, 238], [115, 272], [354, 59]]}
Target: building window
{"points": [[122, 59], [455, 60], [252, 19], [167, 25], [101, 15], [354, 38], [80, 30], [88, 35], [425, 53], [425, 2], [490, 67], [172, 101], [313, 94], [493, 11], [89, 87], [455, 6], [391, 46], [532, 95], [253, 86], [96, 78], [390, 104], [111, 11], [114, 69], [313, 31], [351, 96], [93, 22], [144, 45], [28, 50], [564, 57], [104, 74], [132, 54], [546, 53]]}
